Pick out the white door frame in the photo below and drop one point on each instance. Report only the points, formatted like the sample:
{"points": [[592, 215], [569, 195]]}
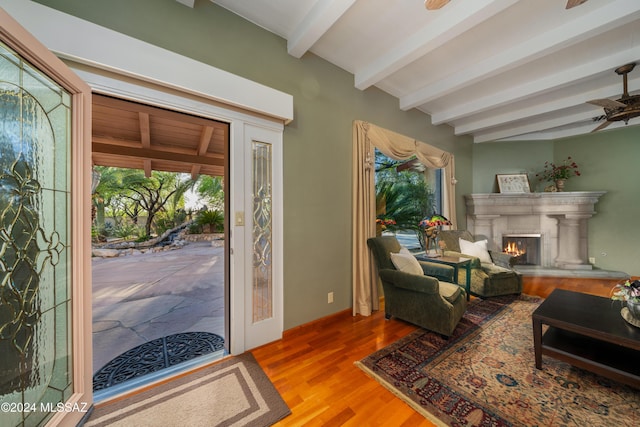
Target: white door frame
{"points": [[118, 65]]}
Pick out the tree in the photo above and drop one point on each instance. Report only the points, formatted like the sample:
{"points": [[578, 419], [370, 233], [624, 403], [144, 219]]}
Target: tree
{"points": [[153, 193], [127, 192], [211, 189]]}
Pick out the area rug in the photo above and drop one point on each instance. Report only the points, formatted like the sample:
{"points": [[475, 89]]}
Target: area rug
{"points": [[156, 355], [235, 392], [485, 375]]}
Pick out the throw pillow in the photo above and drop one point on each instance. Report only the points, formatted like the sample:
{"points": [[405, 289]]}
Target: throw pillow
{"points": [[407, 263], [477, 249]]}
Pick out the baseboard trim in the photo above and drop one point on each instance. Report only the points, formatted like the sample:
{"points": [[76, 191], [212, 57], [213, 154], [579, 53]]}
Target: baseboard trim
{"points": [[320, 322]]}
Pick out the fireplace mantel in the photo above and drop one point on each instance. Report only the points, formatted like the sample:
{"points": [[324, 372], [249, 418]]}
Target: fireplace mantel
{"points": [[561, 219]]}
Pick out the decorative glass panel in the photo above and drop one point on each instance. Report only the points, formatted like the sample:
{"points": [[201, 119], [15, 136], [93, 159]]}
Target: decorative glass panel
{"points": [[35, 252], [262, 233]]}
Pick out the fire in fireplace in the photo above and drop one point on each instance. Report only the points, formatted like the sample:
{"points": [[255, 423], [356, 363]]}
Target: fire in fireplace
{"points": [[525, 248]]}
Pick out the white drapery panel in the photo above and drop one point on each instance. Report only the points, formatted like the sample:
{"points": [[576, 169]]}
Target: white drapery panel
{"points": [[367, 137]]}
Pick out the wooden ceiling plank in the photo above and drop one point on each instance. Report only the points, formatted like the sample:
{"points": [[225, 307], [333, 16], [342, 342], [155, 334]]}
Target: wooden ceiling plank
{"points": [[121, 104]]}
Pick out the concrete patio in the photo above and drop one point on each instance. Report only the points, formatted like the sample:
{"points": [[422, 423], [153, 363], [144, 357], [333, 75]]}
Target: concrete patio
{"points": [[140, 297]]}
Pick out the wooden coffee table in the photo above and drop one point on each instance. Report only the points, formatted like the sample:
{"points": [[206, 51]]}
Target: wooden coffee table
{"points": [[588, 332]]}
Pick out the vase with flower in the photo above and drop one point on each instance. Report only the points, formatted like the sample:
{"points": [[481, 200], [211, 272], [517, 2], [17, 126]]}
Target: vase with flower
{"points": [[629, 293], [432, 226], [559, 173], [383, 224]]}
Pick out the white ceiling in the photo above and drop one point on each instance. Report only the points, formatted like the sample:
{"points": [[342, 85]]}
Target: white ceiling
{"points": [[493, 69]]}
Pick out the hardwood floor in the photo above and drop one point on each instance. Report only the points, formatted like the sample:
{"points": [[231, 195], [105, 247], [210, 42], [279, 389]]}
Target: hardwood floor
{"points": [[313, 365], [313, 369]]}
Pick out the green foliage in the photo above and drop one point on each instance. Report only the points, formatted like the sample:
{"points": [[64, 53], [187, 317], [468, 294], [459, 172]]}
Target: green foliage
{"points": [[129, 193], [126, 231], [211, 189], [212, 219], [142, 238], [404, 196], [168, 219], [194, 228]]}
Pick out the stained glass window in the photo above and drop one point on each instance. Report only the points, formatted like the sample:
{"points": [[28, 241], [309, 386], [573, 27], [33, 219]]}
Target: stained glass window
{"points": [[262, 232], [35, 259]]}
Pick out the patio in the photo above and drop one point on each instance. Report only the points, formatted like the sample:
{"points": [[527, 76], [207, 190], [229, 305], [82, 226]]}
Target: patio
{"points": [[140, 297]]}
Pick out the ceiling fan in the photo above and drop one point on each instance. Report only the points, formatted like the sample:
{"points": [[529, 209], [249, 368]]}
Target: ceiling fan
{"points": [[434, 4], [574, 3], [437, 4], [623, 109]]}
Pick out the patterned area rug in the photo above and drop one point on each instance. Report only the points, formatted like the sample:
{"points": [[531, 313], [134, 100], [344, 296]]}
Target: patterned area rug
{"points": [[233, 392], [156, 355], [485, 375]]}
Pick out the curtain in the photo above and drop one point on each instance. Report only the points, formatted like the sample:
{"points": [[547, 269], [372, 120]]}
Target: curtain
{"points": [[367, 137]]}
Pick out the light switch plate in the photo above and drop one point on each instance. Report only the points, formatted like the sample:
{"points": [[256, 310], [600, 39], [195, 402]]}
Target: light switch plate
{"points": [[239, 218]]}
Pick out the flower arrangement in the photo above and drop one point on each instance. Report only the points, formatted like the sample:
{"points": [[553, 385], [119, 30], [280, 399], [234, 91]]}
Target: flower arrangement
{"points": [[553, 172], [627, 291], [434, 221], [384, 223]]}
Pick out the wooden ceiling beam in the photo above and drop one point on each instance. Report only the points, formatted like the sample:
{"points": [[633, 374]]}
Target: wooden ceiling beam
{"points": [[146, 164], [145, 130], [195, 171], [205, 140], [145, 153], [104, 140]]}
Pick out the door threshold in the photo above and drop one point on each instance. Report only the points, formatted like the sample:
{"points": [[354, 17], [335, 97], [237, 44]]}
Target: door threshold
{"points": [[145, 381]]}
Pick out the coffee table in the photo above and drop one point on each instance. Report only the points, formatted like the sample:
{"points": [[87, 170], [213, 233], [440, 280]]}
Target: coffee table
{"points": [[588, 332]]}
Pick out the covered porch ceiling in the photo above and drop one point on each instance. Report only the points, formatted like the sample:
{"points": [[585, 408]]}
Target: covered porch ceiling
{"points": [[136, 136]]}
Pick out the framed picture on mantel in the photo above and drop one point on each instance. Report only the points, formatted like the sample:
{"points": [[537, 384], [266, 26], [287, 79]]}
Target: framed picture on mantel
{"points": [[513, 183]]}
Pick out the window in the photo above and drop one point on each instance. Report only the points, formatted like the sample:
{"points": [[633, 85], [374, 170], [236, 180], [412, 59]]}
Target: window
{"points": [[406, 192]]}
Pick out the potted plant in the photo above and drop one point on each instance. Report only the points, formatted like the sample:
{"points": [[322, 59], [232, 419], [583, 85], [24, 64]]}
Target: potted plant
{"points": [[559, 173], [628, 292]]}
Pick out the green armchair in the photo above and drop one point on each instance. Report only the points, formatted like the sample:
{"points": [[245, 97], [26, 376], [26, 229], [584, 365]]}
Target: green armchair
{"points": [[428, 300], [489, 277]]}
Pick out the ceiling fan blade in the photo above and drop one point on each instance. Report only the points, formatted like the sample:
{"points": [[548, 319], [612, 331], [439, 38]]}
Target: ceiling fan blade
{"points": [[602, 126], [574, 3], [607, 103], [437, 4]]}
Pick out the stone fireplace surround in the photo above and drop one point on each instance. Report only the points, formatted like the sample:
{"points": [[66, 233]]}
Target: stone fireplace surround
{"points": [[560, 218]]}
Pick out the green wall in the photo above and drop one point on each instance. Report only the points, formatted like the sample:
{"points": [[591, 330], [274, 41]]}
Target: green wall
{"points": [[608, 161], [494, 158], [317, 144]]}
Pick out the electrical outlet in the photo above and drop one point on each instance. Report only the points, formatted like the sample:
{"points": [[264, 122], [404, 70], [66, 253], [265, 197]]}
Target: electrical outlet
{"points": [[592, 260], [330, 298]]}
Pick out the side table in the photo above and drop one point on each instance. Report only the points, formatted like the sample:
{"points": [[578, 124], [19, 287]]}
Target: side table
{"points": [[456, 263]]}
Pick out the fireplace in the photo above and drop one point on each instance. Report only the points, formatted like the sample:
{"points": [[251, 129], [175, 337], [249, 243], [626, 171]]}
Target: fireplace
{"points": [[525, 248], [560, 218]]}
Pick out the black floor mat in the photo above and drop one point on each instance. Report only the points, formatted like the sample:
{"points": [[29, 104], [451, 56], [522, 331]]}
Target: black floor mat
{"points": [[156, 355]]}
